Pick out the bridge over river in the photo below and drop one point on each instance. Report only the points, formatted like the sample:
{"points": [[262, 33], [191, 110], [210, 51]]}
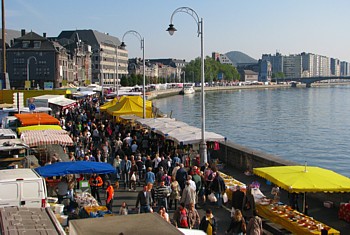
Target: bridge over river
{"points": [[309, 80]]}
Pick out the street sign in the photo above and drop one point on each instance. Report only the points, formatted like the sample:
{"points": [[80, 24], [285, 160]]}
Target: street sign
{"points": [[220, 76], [31, 107], [27, 85], [48, 85]]}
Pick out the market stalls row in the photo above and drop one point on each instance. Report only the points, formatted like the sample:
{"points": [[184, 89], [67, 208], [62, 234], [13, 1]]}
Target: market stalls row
{"points": [[178, 131]]}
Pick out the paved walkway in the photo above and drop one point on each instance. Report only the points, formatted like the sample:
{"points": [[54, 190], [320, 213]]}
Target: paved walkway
{"points": [[316, 209]]}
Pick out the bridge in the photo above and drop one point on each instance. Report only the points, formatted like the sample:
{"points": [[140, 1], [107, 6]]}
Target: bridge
{"points": [[309, 80]]}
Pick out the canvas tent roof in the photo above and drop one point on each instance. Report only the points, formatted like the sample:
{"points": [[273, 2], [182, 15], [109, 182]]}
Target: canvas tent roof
{"points": [[28, 119], [130, 105]]}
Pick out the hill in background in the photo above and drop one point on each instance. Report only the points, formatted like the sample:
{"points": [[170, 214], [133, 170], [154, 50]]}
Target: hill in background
{"points": [[238, 57]]}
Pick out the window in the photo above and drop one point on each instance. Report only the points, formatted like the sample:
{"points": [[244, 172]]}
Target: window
{"points": [[25, 44], [37, 44]]}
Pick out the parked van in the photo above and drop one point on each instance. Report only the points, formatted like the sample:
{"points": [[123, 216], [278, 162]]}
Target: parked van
{"points": [[22, 188]]}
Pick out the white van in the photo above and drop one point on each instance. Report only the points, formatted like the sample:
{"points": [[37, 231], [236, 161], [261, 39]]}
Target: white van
{"points": [[22, 188]]}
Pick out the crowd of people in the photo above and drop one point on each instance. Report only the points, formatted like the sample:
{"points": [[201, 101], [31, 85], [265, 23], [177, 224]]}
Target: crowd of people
{"points": [[172, 178]]}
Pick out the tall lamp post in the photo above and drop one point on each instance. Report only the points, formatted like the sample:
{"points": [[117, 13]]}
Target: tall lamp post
{"points": [[142, 41], [171, 30], [28, 61]]}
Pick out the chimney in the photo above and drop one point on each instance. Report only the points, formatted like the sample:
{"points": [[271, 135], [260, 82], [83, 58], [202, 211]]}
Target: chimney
{"points": [[23, 32], [44, 35]]}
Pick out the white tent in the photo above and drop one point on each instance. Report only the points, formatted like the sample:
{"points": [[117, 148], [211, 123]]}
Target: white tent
{"points": [[178, 131]]}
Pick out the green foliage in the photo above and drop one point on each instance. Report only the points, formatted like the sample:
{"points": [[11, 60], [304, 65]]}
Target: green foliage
{"points": [[211, 70], [278, 75]]}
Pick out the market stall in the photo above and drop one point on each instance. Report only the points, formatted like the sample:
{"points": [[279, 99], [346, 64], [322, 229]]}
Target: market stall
{"points": [[344, 212], [300, 179]]}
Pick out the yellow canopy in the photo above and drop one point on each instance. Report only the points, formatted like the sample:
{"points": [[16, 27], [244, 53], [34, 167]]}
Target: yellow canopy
{"points": [[38, 127], [302, 179], [109, 104], [128, 105]]}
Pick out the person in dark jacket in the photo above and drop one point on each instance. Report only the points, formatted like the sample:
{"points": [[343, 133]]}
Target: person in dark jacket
{"points": [[237, 199], [208, 223], [219, 188], [144, 198], [237, 225], [181, 176]]}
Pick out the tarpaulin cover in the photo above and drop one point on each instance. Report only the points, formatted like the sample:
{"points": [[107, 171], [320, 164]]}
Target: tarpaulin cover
{"points": [[38, 127], [46, 137], [29, 119], [77, 167], [130, 105]]}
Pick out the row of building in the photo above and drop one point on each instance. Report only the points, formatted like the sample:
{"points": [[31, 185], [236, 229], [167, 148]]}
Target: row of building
{"points": [[78, 57], [291, 66]]}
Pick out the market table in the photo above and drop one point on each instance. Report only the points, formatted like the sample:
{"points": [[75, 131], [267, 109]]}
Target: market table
{"points": [[231, 184], [292, 220]]}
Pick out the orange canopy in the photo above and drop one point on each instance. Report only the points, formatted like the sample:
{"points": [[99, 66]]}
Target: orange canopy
{"points": [[29, 119]]}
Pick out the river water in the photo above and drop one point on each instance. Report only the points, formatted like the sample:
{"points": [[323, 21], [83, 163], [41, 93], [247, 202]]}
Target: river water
{"points": [[296, 124]]}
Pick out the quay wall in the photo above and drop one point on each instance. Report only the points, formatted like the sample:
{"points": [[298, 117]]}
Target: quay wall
{"points": [[244, 159]]}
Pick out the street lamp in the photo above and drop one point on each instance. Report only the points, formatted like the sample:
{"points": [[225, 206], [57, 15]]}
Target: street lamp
{"points": [[116, 77], [171, 30], [142, 41], [28, 61]]}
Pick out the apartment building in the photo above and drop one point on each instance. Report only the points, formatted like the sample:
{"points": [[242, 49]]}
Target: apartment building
{"points": [[107, 57]]}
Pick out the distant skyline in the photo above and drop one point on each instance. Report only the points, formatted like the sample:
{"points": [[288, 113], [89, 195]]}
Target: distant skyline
{"points": [[253, 27]]}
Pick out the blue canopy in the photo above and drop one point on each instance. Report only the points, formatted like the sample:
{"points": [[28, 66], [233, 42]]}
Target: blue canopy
{"points": [[78, 167]]}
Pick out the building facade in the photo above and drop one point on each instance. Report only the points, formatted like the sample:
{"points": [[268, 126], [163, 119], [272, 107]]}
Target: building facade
{"points": [[107, 57], [32, 62]]}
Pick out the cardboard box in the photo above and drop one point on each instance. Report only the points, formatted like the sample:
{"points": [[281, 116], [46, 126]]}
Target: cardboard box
{"points": [[328, 204]]}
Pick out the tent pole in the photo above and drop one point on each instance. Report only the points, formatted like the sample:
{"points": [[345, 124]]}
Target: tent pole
{"points": [[304, 203]]}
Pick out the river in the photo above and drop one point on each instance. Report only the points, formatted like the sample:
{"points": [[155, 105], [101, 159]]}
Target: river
{"points": [[296, 124]]}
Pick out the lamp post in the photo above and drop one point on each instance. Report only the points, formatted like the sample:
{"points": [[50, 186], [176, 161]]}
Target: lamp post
{"points": [[28, 61], [171, 30], [142, 41]]}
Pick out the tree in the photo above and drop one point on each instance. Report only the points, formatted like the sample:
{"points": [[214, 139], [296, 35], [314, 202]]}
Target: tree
{"points": [[212, 69], [278, 75]]}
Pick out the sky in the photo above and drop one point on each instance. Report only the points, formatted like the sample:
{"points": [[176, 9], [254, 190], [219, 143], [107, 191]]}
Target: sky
{"points": [[254, 27]]}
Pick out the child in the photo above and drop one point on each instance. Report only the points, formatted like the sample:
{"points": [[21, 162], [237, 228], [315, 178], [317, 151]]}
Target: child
{"points": [[123, 209]]}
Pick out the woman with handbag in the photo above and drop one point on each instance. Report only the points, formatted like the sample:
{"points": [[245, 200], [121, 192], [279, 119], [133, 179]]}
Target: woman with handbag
{"points": [[238, 225]]}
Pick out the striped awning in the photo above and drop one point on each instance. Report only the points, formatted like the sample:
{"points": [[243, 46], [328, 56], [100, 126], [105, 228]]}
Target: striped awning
{"points": [[46, 137]]}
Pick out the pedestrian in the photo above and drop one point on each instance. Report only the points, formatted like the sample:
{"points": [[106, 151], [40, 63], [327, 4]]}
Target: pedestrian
{"points": [[161, 195], [116, 165], [125, 167], [95, 183], [248, 206], [193, 217], [180, 216], [133, 176], [144, 199], [208, 223], [188, 195], [254, 226], [181, 176], [62, 189], [150, 176], [238, 225], [237, 199], [175, 193], [162, 212], [109, 195], [123, 209], [218, 187]]}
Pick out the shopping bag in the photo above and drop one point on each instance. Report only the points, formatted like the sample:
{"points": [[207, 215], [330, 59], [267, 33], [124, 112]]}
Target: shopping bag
{"points": [[212, 198], [133, 177], [225, 198]]}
